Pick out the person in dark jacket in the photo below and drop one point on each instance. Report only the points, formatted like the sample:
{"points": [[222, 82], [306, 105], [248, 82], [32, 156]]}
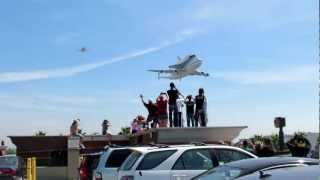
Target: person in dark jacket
{"points": [[152, 108], [190, 111], [299, 146], [173, 94], [201, 109]]}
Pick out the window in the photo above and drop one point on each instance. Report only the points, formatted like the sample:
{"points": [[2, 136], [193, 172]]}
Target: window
{"points": [[197, 159], [132, 159], [153, 159], [228, 155], [117, 157]]}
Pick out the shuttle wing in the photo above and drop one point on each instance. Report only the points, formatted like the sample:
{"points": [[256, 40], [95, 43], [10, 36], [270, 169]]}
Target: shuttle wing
{"points": [[163, 71]]}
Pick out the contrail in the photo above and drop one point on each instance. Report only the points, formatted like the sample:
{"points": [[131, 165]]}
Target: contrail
{"points": [[9, 77]]}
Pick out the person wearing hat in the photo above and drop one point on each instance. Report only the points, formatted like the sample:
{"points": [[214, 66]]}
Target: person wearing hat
{"points": [[201, 108], [105, 126]]}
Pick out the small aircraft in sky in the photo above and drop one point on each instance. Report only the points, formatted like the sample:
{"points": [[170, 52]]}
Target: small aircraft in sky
{"points": [[185, 67], [83, 49]]}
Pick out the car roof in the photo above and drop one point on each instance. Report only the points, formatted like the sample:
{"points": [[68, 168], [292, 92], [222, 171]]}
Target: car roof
{"points": [[294, 173], [155, 148], [262, 163]]}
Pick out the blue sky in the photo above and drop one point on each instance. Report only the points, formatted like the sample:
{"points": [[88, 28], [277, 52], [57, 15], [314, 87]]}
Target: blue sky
{"points": [[262, 56]]}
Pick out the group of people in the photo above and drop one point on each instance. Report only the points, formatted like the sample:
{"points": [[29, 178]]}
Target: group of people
{"points": [[262, 148], [76, 131], [167, 110], [169, 106], [298, 145]]}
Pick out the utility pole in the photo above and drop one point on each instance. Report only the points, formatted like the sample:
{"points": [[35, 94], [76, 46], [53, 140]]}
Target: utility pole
{"points": [[318, 140]]}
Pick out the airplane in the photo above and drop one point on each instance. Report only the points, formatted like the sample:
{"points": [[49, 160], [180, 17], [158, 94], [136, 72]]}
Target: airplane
{"points": [[185, 67], [83, 49]]}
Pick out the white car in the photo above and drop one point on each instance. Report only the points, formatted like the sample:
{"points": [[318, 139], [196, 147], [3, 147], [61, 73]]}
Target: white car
{"points": [[180, 162], [109, 162]]}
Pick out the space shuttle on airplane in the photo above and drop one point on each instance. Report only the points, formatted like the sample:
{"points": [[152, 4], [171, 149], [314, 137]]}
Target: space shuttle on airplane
{"points": [[185, 67]]}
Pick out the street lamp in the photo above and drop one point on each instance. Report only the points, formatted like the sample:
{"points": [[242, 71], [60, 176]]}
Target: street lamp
{"points": [[280, 122]]}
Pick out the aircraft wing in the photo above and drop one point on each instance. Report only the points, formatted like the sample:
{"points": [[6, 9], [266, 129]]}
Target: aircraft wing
{"points": [[197, 73], [163, 71]]}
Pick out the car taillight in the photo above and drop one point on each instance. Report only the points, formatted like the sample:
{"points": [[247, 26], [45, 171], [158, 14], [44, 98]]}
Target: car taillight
{"points": [[83, 173], [98, 176], [127, 178], [8, 172]]}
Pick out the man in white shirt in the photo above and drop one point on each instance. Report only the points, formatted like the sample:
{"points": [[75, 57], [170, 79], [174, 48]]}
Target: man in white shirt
{"points": [[178, 120]]}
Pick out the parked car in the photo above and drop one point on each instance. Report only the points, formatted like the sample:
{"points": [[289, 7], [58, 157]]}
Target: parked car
{"points": [[88, 164], [109, 162], [177, 162], [234, 170], [293, 173], [11, 167]]}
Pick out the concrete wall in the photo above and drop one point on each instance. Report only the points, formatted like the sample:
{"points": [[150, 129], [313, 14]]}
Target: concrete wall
{"points": [[51, 173]]}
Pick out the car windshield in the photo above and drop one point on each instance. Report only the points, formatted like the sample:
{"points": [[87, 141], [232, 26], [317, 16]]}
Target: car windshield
{"points": [[8, 162], [222, 173], [132, 159]]}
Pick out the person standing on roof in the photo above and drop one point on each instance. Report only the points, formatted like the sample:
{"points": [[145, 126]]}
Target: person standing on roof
{"points": [[153, 112], [173, 94], [162, 104], [74, 128], [189, 110], [105, 126], [178, 120], [201, 109]]}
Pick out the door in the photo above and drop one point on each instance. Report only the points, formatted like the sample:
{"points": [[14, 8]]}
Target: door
{"points": [[229, 155], [152, 175], [192, 163], [148, 167]]}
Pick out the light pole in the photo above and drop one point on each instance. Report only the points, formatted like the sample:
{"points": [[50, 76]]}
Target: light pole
{"points": [[280, 122], [318, 140]]}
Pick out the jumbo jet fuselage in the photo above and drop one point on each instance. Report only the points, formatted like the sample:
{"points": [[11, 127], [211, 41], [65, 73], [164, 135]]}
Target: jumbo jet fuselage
{"points": [[189, 64], [185, 67]]}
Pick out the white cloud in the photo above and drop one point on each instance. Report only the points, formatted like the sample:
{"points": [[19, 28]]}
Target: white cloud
{"points": [[63, 38], [297, 74], [8, 77], [251, 13]]}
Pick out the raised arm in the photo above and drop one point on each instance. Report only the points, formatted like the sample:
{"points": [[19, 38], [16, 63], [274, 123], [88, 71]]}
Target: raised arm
{"points": [[142, 100]]}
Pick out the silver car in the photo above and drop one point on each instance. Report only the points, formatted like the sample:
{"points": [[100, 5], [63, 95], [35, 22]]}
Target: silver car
{"points": [[242, 168], [293, 173]]}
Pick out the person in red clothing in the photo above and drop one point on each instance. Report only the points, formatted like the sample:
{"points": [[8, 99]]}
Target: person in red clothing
{"points": [[162, 104], [84, 174]]}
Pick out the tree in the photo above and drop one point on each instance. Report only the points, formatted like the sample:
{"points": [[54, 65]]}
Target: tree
{"points": [[275, 141], [40, 133], [12, 151], [125, 131]]}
